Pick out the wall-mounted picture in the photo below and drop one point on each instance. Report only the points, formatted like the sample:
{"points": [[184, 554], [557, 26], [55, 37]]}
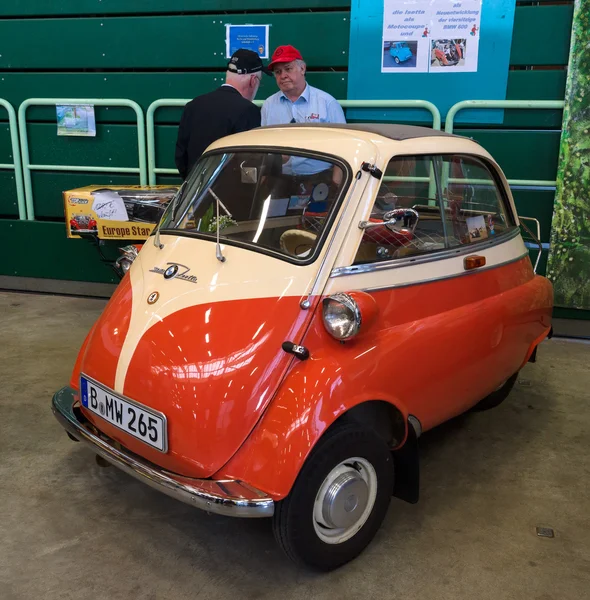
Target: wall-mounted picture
{"points": [[448, 53], [400, 54]]}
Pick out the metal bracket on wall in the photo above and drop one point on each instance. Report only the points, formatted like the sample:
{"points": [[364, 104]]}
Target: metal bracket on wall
{"points": [[27, 167], [16, 164]]}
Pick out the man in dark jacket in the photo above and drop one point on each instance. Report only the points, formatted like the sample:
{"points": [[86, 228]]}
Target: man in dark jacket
{"points": [[228, 109]]}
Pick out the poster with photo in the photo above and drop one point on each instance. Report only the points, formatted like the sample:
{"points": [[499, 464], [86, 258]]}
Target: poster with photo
{"points": [[434, 36], [405, 36]]}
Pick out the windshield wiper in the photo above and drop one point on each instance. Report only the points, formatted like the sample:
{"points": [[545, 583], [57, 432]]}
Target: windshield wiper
{"points": [[157, 243], [219, 203]]}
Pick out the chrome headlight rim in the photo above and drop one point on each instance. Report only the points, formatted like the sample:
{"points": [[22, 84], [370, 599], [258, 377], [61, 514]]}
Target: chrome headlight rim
{"points": [[349, 303], [128, 255]]}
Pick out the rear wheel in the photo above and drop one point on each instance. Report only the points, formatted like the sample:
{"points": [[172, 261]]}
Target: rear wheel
{"points": [[338, 501], [496, 398]]}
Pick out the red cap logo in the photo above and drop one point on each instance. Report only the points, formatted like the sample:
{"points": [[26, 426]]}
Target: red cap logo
{"points": [[285, 54]]}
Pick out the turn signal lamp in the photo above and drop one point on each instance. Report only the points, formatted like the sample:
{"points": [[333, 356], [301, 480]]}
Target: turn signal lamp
{"points": [[473, 262]]}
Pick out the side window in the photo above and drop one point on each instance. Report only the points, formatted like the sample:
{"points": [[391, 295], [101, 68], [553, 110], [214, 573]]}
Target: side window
{"points": [[474, 206], [427, 204]]}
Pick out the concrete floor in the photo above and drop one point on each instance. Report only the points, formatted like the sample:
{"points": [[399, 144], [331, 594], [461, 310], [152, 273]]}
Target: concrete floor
{"points": [[70, 529]]}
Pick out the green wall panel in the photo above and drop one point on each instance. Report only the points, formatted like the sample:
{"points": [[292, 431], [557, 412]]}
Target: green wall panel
{"points": [[541, 35], [5, 145], [49, 185], [42, 250], [165, 145], [538, 204], [8, 203], [521, 154], [114, 145], [169, 41], [36, 8], [144, 88], [535, 85]]}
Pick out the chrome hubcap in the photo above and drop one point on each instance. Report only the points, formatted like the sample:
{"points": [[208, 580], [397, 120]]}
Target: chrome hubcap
{"points": [[345, 500]]}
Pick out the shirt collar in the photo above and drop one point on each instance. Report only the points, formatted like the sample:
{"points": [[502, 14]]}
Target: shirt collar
{"points": [[304, 95]]}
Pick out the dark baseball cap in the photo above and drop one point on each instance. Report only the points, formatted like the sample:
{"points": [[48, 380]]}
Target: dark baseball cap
{"points": [[244, 61]]}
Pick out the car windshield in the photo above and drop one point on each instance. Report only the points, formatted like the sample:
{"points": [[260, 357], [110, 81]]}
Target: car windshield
{"points": [[273, 201]]}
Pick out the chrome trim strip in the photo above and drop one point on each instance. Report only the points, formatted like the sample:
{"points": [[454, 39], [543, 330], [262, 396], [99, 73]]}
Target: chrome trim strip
{"points": [[418, 260], [206, 494], [333, 229], [444, 277]]}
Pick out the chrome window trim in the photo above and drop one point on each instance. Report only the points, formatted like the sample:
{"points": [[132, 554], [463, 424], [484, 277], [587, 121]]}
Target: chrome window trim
{"points": [[444, 277], [425, 258]]}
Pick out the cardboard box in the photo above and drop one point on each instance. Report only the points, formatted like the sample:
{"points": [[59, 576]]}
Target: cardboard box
{"points": [[117, 212]]}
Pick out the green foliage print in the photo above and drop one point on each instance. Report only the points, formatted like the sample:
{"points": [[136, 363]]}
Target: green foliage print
{"points": [[569, 258]]}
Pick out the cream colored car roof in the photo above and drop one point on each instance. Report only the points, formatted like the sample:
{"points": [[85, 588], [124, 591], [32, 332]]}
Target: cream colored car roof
{"points": [[341, 140]]}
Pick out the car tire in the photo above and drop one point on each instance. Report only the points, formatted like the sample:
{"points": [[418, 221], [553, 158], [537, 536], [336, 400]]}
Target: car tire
{"points": [[396, 59], [496, 398], [338, 500]]}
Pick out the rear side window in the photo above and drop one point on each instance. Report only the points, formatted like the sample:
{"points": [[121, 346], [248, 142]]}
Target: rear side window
{"points": [[428, 204]]}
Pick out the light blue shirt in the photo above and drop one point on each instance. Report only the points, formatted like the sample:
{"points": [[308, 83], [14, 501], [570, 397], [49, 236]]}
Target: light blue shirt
{"points": [[313, 106]]}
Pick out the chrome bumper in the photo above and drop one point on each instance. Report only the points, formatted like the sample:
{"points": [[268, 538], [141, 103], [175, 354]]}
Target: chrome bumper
{"points": [[231, 498]]}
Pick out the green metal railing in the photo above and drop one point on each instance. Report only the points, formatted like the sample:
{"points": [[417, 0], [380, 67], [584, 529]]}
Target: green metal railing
{"points": [[27, 167], [518, 104], [153, 170], [16, 164]]}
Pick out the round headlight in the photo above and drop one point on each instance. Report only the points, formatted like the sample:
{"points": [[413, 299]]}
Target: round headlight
{"points": [[342, 316]]}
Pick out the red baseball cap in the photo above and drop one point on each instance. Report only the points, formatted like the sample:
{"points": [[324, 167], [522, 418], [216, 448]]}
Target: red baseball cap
{"points": [[284, 54]]}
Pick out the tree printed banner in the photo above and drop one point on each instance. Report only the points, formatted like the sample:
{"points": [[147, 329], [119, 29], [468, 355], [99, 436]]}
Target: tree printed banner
{"points": [[569, 257]]}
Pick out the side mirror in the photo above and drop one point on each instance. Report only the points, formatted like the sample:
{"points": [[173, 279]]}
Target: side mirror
{"points": [[401, 219], [397, 220]]}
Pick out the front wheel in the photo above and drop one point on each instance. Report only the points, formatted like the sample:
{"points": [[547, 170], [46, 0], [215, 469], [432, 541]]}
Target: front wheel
{"points": [[338, 501], [396, 59]]}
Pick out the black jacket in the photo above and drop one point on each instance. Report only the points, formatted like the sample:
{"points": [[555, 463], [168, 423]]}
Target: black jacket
{"points": [[208, 118]]}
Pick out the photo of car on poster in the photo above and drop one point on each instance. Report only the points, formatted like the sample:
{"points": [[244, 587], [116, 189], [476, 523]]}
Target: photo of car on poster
{"points": [[400, 54], [448, 53]]}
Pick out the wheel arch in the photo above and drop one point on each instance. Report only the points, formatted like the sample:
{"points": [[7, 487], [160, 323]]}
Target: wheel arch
{"points": [[313, 397]]}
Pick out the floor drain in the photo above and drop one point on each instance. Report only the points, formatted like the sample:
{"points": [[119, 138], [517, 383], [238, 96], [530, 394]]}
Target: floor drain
{"points": [[545, 532]]}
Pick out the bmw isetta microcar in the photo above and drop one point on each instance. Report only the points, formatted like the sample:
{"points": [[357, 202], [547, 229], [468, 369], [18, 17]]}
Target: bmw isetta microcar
{"points": [[314, 298]]}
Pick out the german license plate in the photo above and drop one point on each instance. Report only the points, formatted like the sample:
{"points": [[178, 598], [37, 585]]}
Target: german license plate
{"points": [[131, 417]]}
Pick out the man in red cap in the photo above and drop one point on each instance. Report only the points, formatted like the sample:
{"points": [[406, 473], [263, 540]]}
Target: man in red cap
{"points": [[297, 101]]}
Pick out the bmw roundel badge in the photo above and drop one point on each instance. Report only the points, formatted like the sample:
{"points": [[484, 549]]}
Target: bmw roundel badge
{"points": [[170, 272]]}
